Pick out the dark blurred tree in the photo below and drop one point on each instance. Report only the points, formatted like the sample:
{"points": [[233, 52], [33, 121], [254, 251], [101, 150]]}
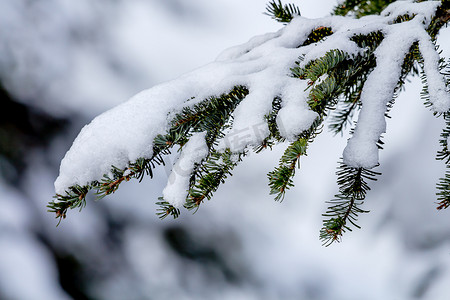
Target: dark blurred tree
{"points": [[22, 128]]}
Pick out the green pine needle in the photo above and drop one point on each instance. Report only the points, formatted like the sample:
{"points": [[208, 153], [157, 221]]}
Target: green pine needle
{"points": [[282, 13], [165, 209], [345, 207]]}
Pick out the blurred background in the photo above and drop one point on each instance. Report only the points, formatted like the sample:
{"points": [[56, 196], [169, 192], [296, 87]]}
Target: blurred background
{"points": [[62, 62]]}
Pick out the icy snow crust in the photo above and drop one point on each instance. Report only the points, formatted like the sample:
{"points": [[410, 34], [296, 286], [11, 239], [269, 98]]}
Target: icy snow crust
{"points": [[126, 132]]}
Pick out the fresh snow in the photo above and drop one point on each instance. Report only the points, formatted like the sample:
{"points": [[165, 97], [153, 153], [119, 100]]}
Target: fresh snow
{"points": [[126, 132], [362, 150], [177, 186], [294, 117]]}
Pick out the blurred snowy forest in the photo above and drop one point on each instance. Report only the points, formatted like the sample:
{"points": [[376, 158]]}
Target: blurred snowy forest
{"points": [[62, 62]]}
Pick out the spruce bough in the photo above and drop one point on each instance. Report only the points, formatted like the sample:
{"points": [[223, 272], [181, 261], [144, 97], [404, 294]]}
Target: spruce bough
{"points": [[278, 88]]}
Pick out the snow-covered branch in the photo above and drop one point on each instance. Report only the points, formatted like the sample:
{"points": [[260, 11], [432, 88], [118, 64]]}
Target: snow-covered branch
{"points": [[277, 87]]}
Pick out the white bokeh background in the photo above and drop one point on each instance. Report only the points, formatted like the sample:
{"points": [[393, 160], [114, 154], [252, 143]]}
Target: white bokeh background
{"points": [[76, 59]]}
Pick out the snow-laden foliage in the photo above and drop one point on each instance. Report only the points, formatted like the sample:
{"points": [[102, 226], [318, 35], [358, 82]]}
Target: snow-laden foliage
{"points": [[278, 87]]}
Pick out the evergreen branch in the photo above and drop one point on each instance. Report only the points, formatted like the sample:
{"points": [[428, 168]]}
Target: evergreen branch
{"points": [[345, 208], [323, 65], [425, 94], [313, 131], [443, 187], [75, 197], [351, 75], [356, 75], [324, 75], [368, 41], [320, 98], [411, 62], [343, 113], [282, 13], [162, 145], [205, 115], [213, 116], [360, 8], [209, 115], [165, 209], [272, 120], [280, 179], [109, 185], [274, 135], [210, 175], [440, 19], [322, 94], [444, 153], [335, 84], [338, 74], [353, 185], [318, 35]]}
